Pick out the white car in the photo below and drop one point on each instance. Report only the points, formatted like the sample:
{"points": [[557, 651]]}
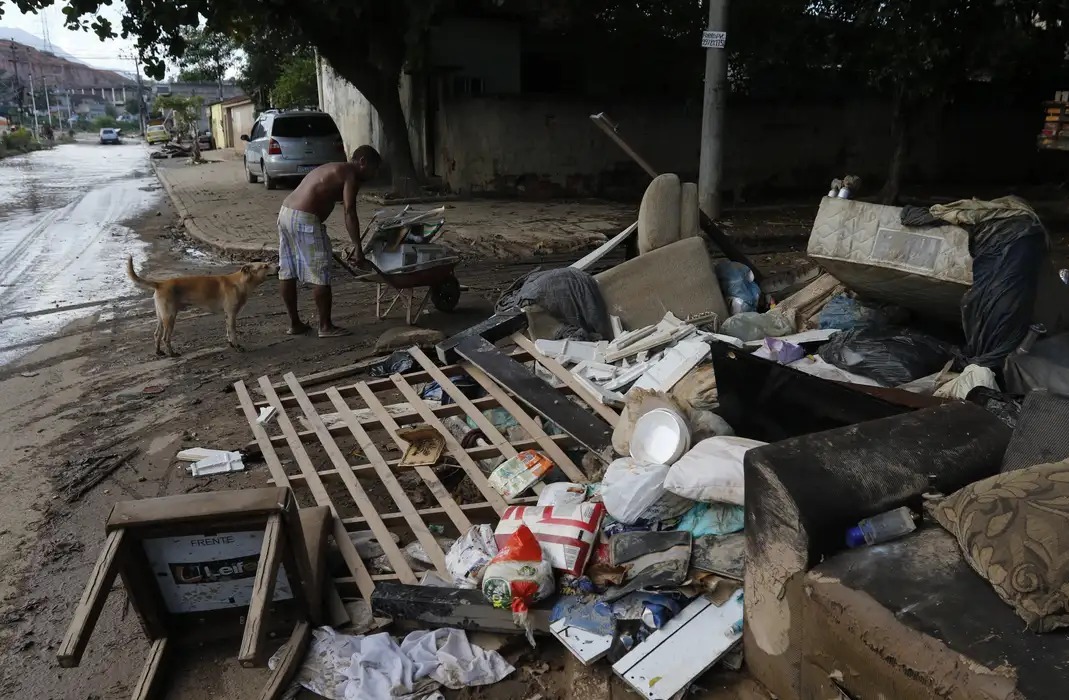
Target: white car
{"points": [[110, 136]]}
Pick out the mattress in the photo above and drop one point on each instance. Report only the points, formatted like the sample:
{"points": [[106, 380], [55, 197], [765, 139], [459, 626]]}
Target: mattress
{"points": [[868, 249]]}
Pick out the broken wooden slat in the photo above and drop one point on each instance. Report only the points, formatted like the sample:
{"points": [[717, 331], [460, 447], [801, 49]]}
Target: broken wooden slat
{"points": [[394, 488], [263, 593], [278, 474], [604, 249], [459, 454], [437, 513], [290, 662], [92, 602], [352, 484], [312, 480], [544, 442], [589, 430], [437, 488], [557, 370]]}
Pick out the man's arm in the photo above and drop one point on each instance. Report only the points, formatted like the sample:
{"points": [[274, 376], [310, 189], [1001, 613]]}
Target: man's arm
{"points": [[352, 220]]}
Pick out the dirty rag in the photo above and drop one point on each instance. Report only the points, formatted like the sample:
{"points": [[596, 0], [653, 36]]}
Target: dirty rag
{"points": [[375, 667], [969, 212], [568, 295]]}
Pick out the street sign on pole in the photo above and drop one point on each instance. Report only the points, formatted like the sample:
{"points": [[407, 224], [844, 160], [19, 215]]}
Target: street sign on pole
{"points": [[714, 40]]}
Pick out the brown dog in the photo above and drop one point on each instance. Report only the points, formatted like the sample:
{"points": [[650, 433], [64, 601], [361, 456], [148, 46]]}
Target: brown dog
{"points": [[215, 293]]}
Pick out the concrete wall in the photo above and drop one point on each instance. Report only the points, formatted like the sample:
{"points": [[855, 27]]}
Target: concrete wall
{"points": [[547, 146], [357, 120]]}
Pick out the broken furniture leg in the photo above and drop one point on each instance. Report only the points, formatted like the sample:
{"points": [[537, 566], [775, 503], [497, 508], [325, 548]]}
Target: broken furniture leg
{"points": [[711, 230]]}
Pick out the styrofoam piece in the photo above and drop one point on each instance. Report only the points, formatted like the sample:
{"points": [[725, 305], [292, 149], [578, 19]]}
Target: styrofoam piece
{"points": [[267, 414], [678, 360], [730, 340], [814, 336], [586, 646], [617, 326], [572, 350], [660, 437], [196, 454], [595, 371], [626, 377], [631, 337], [668, 331], [689, 645], [222, 463], [601, 394]]}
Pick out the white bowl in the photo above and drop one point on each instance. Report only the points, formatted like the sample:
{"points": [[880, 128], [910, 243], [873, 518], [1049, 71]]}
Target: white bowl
{"points": [[660, 437]]}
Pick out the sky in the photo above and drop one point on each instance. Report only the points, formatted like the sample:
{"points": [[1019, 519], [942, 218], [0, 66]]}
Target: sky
{"points": [[85, 46]]}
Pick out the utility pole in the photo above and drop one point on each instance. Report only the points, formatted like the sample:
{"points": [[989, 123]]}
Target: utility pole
{"points": [[33, 101], [140, 92], [716, 68], [18, 83]]}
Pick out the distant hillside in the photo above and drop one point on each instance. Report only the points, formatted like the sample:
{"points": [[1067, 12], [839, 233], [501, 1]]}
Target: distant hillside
{"points": [[54, 69], [26, 39]]}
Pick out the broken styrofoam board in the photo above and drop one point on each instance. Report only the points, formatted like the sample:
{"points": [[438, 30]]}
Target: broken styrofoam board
{"points": [[586, 646], [221, 463], [603, 250], [196, 454], [678, 360], [627, 376], [572, 350], [686, 647], [617, 326], [815, 336], [730, 340], [631, 337], [595, 371], [267, 414], [600, 393], [661, 337]]}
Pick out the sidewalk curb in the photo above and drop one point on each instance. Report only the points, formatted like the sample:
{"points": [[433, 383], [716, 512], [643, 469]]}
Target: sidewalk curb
{"points": [[199, 234]]}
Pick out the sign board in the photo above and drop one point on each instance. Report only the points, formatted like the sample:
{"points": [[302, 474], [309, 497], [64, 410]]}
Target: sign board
{"points": [[209, 572], [714, 40]]}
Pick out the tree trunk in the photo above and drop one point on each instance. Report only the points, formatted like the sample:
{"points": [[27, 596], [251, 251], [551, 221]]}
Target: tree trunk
{"points": [[398, 146], [901, 119], [381, 88]]}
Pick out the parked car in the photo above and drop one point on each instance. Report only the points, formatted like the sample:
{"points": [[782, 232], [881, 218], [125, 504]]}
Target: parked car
{"points": [[205, 141], [110, 136], [157, 133], [290, 144]]}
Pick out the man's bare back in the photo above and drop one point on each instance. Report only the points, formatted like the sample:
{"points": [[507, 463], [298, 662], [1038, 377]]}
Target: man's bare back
{"points": [[322, 188]]}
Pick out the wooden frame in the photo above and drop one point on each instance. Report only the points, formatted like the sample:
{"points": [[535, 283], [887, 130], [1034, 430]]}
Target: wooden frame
{"points": [[361, 413], [291, 539]]}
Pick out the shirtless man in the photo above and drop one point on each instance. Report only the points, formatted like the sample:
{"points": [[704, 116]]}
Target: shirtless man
{"points": [[303, 245]]}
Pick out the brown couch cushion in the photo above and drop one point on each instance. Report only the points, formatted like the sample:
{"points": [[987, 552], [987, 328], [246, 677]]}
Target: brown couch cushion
{"points": [[1013, 529]]}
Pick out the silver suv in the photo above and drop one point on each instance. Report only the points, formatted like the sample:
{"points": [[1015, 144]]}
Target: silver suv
{"points": [[290, 144]]}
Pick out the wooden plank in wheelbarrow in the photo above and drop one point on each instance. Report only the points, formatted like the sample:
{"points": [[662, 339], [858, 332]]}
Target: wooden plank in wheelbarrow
{"points": [[591, 432]]}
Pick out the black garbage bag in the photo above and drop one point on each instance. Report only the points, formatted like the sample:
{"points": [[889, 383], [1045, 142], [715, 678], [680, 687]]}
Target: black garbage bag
{"points": [[891, 356], [997, 310]]}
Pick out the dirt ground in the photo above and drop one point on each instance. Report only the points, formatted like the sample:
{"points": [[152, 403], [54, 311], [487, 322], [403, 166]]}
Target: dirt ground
{"points": [[83, 394]]}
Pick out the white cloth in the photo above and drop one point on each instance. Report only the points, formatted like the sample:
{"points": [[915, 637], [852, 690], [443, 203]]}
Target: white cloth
{"points": [[374, 667]]}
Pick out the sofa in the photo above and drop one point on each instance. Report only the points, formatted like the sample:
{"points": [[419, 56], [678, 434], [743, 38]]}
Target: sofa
{"points": [[904, 619]]}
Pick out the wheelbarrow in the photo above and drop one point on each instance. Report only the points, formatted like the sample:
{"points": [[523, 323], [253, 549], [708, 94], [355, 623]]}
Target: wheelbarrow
{"points": [[401, 259]]}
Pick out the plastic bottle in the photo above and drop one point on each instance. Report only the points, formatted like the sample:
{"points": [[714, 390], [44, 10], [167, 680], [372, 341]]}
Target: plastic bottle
{"points": [[881, 528]]}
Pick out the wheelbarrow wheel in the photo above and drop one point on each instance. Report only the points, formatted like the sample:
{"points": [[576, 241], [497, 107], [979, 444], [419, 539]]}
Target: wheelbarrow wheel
{"points": [[446, 294]]}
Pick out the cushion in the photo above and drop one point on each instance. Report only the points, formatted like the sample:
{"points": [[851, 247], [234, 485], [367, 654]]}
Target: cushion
{"points": [[1013, 530]]}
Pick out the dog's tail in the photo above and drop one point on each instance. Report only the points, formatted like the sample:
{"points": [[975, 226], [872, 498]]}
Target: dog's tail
{"points": [[139, 281]]}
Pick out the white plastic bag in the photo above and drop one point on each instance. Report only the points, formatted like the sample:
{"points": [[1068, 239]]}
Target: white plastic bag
{"points": [[970, 378], [469, 555], [562, 493], [633, 492], [711, 472]]}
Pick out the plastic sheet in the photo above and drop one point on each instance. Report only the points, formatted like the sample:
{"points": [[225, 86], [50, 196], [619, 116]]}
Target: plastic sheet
{"points": [[737, 283]]}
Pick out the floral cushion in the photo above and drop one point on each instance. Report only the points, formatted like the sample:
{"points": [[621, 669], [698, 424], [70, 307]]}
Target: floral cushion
{"points": [[1013, 529]]}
